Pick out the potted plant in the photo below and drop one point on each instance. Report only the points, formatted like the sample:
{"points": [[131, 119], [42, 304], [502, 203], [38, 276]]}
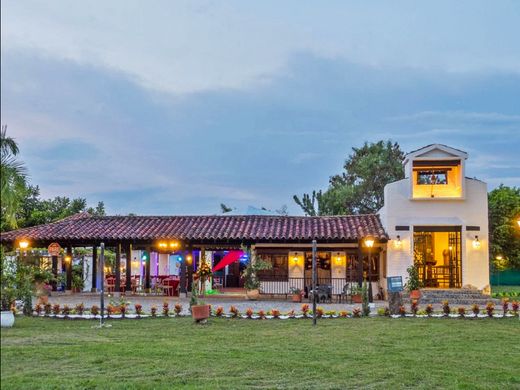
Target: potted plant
{"points": [[357, 294], [77, 283], [8, 293], [199, 310], [42, 288], [297, 294], [413, 284], [251, 280]]}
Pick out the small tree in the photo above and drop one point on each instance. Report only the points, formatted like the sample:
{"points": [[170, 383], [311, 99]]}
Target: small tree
{"points": [[251, 280], [413, 282]]}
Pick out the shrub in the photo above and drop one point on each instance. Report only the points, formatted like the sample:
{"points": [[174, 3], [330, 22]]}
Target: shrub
{"points": [[462, 311], [402, 311], [446, 308], [290, 314], [233, 311], [219, 311], [319, 312], [356, 313], [110, 310], [65, 310], [178, 309], [249, 312], [56, 309], [165, 309], [343, 313], [94, 310], [514, 306], [505, 305], [80, 308], [261, 314], [305, 309], [38, 309], [490, 308], [475, 309], [153, 311], [331, 313], [275, 313], [138, 309], [47, 308], [414, 307], [122, 309], [429, 310]]}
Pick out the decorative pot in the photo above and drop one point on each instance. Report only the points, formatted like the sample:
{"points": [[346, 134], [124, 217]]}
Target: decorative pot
{"points": [[200, 312], [296, 298], [357, 298], [7, 318], [253, 295], [415, 294]]}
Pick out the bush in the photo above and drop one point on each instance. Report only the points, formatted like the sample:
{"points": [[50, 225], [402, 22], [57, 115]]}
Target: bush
{"points": [[165, 309], [138, 309], [446, 308], [233, 311], [249, 312], [79, 308], [94, 310], [56, 309], [219, 311], [177, 308]]}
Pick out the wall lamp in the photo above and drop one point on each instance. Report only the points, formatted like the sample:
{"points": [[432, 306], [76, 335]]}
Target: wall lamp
{"points": [[476, 243], [295, 258], [397, 242]]}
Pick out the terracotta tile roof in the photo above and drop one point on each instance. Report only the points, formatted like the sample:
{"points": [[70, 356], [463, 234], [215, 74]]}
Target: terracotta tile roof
{"points": [[255, 228]]}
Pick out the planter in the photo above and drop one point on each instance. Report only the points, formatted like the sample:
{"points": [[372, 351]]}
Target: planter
{"points": [[415, 294], [253, 295], [7, 318], [200, 312], [357, 298], [296, 298]]}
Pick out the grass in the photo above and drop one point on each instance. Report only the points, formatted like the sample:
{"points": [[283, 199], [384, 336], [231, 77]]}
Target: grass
{"points": [[505, 289], [229, 353]]}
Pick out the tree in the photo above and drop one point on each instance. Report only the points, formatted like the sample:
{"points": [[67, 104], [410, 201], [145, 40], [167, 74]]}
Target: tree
{"points": [[360, 188], [504, 232], [13, 176], [225, 209]]}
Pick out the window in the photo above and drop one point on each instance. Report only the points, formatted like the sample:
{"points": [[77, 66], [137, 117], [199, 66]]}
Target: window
{"points": [[432, 177], [279, 269]]}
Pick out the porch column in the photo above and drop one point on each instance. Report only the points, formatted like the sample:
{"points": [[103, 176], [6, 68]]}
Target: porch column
{"points": [[94, 268], [118, 268], [147, 270], [360, 264], [183, 272], [54, 272], [128, 282], [68, 267]]}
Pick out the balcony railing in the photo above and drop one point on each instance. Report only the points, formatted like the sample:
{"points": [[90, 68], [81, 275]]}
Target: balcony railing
{"points": [[283, 285]]}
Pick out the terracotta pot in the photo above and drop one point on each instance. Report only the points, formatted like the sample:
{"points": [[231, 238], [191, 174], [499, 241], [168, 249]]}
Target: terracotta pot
{"points": [[296, 298], [357, 298], [200, 312], [253, 295], [415, 294]]}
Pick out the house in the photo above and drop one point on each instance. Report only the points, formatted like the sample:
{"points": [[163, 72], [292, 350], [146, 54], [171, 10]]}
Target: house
{"points": [[435, 218]]}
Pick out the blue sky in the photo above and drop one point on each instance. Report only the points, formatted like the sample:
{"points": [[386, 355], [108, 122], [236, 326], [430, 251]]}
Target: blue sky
{"points": [[174, 107]]}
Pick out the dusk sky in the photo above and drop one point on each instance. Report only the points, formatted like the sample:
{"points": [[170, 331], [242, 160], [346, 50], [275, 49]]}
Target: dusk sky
{"points": [[162, 107]]}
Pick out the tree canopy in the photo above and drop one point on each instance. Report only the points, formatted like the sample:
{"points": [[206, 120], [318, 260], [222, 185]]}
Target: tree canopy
{"points": [[360, 188], [504, 232]]}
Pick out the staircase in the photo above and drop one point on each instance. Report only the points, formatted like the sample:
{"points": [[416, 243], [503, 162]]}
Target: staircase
{"points": [[461, 296]]}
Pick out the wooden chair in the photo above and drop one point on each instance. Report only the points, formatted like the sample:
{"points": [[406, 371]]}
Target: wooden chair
{"points": [[110, 284]]}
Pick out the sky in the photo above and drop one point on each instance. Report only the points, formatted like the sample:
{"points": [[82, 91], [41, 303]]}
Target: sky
{"points": [[173, 107]]}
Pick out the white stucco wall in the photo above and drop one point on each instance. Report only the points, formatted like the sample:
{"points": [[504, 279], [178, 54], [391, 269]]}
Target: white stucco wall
{"points": [[472, 210]]}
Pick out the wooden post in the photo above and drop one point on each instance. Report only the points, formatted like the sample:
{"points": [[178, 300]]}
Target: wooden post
{"points": [[94, 268], [54, 271], [128, 282], [117, 288], [68, 267], [183, 271], [360, 264], [147, 281]]}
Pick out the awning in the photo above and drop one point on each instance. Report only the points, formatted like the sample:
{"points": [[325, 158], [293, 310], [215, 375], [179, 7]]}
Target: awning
{"points": [[231, 257]]}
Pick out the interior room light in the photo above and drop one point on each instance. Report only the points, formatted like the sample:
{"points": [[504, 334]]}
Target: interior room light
{"points": [[295, 257], [369, 242], [476, 243], [338, 258], [23, 244]]}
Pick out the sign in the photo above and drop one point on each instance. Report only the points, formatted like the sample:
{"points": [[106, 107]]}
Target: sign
{"points": [[54, 249], [395, 283]]}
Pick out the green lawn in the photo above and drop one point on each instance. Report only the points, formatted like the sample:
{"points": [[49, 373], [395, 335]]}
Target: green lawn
{"points": [[230, 353]]}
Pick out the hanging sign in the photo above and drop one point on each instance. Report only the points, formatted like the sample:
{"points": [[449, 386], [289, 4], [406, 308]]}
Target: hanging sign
{"points": [[54, 249], [395, 283]]}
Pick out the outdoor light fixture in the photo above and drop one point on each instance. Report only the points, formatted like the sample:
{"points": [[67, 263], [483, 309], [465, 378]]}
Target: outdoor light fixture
{"points": [[144, 257], [188, 259], [67, 259], [499, 257], [23, 244], [295, 258], [518, 222], [397, 242], [369, 242], [163, 245], [174, 244], [476, 243]]}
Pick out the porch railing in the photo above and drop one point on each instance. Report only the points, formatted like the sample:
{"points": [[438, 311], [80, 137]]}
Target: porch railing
{"points": [[283, 285]]}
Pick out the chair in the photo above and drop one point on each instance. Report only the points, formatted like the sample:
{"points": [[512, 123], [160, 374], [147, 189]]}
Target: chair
{"points": [[110, 284], [347, 291]]}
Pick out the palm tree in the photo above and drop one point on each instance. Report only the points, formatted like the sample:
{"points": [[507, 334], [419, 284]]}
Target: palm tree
{"points": [[13, 176]]}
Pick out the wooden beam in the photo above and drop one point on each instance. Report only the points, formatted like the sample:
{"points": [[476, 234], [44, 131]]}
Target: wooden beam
{"points": [[54, 272], [118, 268], [147, 281], [94, 268], [128, 282]]}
